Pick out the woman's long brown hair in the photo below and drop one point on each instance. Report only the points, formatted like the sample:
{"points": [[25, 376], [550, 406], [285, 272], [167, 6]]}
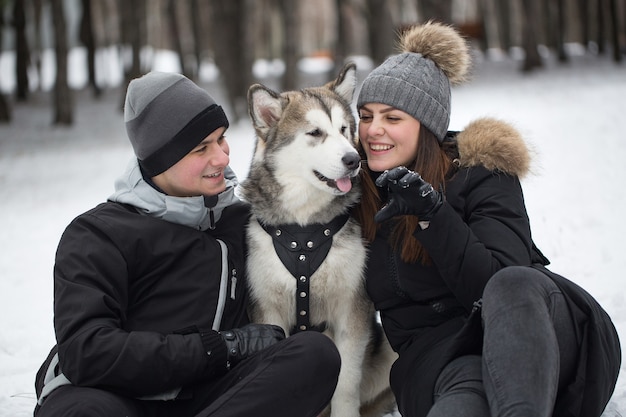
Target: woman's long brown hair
{"points": [[433, 163]]}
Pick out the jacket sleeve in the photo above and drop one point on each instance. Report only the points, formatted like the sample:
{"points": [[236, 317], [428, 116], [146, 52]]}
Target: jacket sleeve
{"points": [[91, 301], [483, 229]]}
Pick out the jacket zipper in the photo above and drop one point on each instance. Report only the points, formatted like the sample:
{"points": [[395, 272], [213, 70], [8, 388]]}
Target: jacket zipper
{"points": [[233, 284], [221, 301]]}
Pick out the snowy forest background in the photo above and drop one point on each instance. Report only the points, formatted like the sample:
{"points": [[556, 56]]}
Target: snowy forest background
{"points": [[570, 109]]}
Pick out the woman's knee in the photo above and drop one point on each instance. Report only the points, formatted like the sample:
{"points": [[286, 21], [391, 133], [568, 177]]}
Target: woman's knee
{"points": [[516, 283]]}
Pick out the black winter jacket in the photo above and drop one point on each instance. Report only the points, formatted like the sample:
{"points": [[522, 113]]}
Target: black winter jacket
{"points": [[139, 300], [481, 228]]}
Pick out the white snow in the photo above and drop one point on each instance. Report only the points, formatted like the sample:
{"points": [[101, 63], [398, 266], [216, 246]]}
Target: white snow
{"points": [[572, 116]]}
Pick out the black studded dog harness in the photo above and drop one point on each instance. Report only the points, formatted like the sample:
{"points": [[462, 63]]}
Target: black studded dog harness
{"points": [[302, 249]]}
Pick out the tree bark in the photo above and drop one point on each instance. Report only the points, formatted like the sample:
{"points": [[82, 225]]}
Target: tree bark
{"points": [[529, 36], [5, 109], [21, 50], [172, 19], [289, 9], [228, 33], [439, 10], [63, 101], [88, 39], [133, 23], [380, 30]]}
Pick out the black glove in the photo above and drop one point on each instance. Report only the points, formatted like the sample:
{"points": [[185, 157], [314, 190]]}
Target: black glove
{"points": [[408, 194], [252, 338]]}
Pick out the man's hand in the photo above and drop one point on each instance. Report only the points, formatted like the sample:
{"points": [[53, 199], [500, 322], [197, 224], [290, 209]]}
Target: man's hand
{"points": [[252, 338]]}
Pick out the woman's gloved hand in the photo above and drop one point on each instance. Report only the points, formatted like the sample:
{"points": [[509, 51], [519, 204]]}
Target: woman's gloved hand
{"points": [[408, 194]]}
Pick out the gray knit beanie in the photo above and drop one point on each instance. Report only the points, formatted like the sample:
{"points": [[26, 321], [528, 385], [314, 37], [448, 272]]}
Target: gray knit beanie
{"points": [[417, 81], [166, 116]]}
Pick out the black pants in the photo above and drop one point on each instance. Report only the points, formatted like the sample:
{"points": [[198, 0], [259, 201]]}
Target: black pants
{"points": [[295, 377]]}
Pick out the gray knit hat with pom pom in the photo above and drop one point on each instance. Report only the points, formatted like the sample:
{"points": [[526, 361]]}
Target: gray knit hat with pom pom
{"points": [[417, 81], [167, 115]]}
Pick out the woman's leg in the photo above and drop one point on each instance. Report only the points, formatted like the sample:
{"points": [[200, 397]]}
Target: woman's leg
{"points": [[459, 390], [530, 346]]}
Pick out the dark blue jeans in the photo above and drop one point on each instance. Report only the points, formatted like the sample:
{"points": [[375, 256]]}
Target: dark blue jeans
{"points": [[530, 351]]}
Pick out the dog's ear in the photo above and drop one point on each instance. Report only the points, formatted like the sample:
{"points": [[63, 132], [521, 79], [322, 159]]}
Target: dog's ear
{"points": [[264, 106], [345, 83]]}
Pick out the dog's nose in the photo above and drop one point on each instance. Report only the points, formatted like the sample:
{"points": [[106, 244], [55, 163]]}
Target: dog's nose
{"points": [[351, 160]]}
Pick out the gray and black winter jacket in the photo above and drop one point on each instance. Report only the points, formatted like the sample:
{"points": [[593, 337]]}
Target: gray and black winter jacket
{"points": [[149, 279]]}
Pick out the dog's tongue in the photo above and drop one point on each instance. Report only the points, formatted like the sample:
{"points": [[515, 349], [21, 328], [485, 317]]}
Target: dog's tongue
{"points": [[344, 184]]}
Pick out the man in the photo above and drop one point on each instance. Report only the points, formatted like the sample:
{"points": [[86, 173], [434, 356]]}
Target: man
{"points": [[146, 283]]}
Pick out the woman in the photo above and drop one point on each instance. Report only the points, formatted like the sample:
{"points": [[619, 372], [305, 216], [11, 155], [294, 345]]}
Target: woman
{"points": [[150, 298], [482, 328]]}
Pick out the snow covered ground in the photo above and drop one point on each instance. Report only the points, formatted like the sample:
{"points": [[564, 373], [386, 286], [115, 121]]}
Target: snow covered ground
{"points": [[572, 115]]}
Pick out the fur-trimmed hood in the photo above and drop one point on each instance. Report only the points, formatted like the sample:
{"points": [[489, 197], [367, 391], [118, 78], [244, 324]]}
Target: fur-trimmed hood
{"points": [[494, 144]]}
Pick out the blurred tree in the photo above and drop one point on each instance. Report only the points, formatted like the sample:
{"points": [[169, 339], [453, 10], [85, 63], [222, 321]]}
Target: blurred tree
{"points": [[228, 25], [439, 10], [21, 50], [530, 30], [342, 49], [88, 39], [36, 47], [172, 19], [381, 30], [5, 109], [613, 13], [291, 41], [198, 35], [132, 29], [63, 100]]}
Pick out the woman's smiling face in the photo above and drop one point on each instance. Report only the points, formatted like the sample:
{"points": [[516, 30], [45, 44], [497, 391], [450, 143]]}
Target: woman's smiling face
{"points": [[389, 136]]}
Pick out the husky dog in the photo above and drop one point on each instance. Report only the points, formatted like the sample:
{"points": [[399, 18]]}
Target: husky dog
{"points": [[306, 262]]}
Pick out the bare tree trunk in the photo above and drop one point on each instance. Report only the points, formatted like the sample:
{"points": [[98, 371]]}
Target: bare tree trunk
{"points": [[21, 50], [600, 26], [88, 39], [555, 27], [341, 47], [5, 110], [290, 14], [172, 19], [196, 27], [529, 36], [503, 15], [439, 10], [381, 31], [37, 12], [562, 28], [613, 9], [583, 12], [133, 23], [228, 33], [63, 103]]}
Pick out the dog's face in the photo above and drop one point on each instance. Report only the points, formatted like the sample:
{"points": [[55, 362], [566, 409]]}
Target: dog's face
{"points": [[308, 137]]}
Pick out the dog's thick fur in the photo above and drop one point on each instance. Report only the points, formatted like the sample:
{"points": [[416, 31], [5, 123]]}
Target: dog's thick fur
{"points": [[305, 172]]}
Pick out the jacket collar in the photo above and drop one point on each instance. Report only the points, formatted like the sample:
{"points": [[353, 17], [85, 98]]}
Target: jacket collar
{"points": [[200, 212]]}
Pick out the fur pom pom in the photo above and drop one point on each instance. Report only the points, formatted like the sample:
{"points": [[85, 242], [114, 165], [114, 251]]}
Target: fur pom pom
{"points": [[441, 44]]}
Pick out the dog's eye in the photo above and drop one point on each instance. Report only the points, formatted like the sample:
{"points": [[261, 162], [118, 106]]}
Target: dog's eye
{"points": [[316, 133], [343, 130]]}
